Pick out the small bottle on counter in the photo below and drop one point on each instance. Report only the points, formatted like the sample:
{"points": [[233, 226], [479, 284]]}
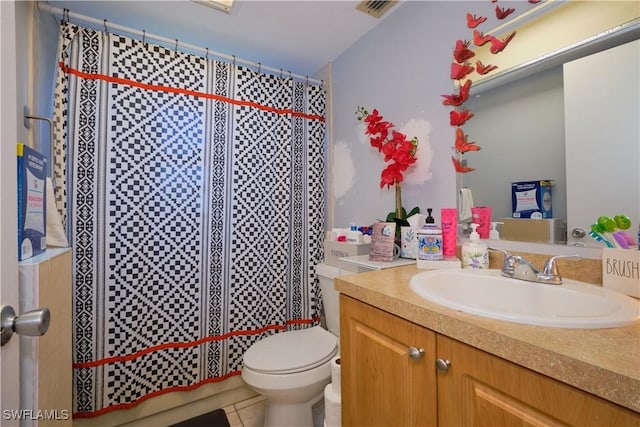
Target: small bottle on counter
{"points": [[475, 253]]}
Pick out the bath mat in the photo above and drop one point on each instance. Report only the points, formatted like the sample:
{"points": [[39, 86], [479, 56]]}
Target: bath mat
{"points": [[217, 418]]}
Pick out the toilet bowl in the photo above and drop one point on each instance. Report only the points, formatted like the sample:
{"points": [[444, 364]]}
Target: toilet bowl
{"points": [[291, 369]]}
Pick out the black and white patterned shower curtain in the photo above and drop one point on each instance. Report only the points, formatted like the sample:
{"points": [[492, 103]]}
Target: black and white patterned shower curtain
{"points": [[193, 193]]}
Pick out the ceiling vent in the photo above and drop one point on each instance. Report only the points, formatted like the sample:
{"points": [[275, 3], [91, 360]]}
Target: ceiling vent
{"points": [[376, 8]]}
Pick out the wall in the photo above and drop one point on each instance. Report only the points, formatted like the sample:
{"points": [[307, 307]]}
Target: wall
{"points": [[401, 68]]}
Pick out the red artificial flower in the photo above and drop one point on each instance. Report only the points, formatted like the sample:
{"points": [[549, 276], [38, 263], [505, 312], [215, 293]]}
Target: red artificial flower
{"points": [[460, 71], [391, 175], [497, 45], [460, 98], [503, 12], [462, 53], [458, 118], [473, 20], [396, 149], [479, 39], [484, 69]]}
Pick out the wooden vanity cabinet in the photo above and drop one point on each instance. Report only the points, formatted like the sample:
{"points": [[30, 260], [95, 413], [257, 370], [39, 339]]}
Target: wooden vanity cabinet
{"points": [[383, 386], [480, 389]]}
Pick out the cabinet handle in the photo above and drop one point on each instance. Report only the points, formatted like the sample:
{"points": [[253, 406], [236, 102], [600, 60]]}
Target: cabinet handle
{"points": [[442, 365], [416, 353]]}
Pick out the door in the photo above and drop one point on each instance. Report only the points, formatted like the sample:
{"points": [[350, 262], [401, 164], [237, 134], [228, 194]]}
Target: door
{"points": [[9, 356], [602, 138]]}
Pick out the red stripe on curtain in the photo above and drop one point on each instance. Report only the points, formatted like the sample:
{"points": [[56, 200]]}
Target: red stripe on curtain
{"points": [[154, 394], [160, 88], [165, 346]]}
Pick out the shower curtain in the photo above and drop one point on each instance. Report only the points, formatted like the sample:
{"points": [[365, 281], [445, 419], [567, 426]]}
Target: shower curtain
{"points": [[193, 195]]}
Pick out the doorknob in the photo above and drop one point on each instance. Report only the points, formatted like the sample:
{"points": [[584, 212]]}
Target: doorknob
{"points": [[32, 323]]}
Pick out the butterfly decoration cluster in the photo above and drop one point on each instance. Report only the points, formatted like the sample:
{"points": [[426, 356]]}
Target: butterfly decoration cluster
{"points": [[462, 68]]}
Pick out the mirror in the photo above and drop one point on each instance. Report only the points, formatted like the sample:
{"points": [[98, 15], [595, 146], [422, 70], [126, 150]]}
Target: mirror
{"points": [[524, 116]]}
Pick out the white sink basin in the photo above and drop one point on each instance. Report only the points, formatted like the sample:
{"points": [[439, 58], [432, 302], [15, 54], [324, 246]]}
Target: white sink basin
{"points": [[486, 293]]}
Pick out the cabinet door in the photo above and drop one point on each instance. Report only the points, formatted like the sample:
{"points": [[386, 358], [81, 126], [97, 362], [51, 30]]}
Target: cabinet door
{"points": [[382, 384], [480, 389]]}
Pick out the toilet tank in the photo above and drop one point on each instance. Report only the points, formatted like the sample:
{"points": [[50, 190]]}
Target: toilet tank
{"points": [[330, 300]]}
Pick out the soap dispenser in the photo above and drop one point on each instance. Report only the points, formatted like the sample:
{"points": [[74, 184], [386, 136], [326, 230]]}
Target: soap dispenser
{"points": [[430, 240], [493, 233], [475, 253]]}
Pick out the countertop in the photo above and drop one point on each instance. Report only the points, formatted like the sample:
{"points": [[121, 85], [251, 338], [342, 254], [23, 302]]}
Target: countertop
{"points": [[604, 362]]}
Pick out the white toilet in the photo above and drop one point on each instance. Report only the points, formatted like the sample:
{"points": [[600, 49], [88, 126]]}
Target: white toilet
{"points": [[291, 369]]}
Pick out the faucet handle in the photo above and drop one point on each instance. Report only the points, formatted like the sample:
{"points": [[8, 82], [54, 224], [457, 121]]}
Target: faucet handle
{"points": [[509, 262], [551, 268]]}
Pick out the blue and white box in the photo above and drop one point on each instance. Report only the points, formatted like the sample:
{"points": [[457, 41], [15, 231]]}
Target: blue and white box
{"points": [[531, 199], [32, 218]]}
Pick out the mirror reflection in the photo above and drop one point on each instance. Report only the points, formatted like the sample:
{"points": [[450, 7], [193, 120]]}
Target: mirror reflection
{"points": [[572, 119]]}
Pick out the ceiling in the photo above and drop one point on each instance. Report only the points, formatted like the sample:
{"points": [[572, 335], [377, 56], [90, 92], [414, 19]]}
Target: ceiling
{"points": [[299, 36]]}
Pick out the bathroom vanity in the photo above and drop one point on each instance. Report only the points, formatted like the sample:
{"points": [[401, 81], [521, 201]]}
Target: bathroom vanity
{"points": [[407, 361]]}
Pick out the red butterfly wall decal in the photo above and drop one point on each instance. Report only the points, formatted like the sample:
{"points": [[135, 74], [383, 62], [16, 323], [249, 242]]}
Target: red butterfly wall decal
{"points": [[484, 69], [458, 118], [497, 45], [459, 98], [503, 12], [480, 39], [460, 71], [462, 145], [473, 20], [462, 52], [460, 168]]}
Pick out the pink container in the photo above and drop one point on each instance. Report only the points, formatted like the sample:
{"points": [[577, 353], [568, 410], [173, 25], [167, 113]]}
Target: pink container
{"points": [[482, 217], [449, 218]]}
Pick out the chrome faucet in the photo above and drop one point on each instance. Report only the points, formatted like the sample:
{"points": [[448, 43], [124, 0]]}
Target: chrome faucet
{"points": [[516, 267]]}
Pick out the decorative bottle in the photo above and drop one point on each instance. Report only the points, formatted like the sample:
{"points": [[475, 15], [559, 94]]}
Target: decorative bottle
{"points": [[430, 241]]}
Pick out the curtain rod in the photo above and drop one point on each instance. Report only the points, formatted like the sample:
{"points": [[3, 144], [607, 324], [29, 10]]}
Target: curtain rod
{"points": [[67, 14]]}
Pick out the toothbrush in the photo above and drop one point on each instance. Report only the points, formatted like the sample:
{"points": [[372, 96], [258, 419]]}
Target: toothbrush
{"points": [[599, 238]]}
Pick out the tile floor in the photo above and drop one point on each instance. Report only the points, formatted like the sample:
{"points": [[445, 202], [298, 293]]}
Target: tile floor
{"points": [[250, 413], [246, 413]]}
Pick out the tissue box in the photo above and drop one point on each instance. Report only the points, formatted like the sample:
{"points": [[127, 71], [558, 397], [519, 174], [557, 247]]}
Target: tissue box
{"points": [[621, 270], [336, 250], [531, 199]]}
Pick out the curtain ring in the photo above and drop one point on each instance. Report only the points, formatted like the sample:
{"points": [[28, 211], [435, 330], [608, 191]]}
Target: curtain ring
{"points": [[206, 56], [144, 37], [280, 72], [290, 75], [306, 80], [234, 60], [106, 30], [176, 48], [65, 15], [259, 65]]}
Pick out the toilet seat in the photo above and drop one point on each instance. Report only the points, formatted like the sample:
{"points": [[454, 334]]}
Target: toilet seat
{"points": [[292, 351]]}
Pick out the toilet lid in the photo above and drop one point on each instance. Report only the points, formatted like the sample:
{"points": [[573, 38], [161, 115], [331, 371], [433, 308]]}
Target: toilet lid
{"points": [[291, 351]]}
